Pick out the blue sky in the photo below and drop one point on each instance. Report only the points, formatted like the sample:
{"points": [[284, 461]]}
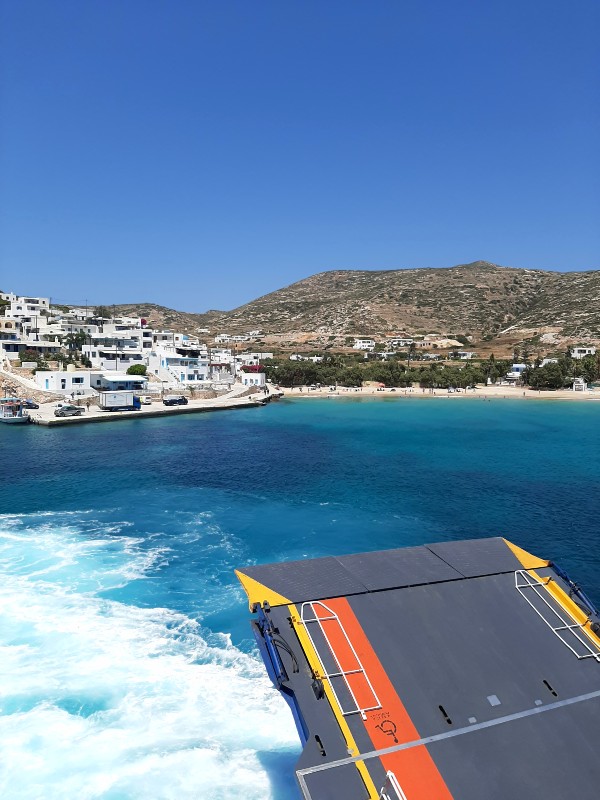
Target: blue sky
{"points": [[200, 154]]}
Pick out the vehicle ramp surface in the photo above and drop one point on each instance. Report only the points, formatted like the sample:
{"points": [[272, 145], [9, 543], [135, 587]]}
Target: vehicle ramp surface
{"points": [[466, 670]]}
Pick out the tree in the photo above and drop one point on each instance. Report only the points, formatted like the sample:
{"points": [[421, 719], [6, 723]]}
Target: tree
{"points": [[75, 341], [549, 377], [137, 369], [30, 355], [102, 312]]}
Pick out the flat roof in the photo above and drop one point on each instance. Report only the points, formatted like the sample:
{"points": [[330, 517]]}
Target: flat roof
{"points": [[463, 670]]}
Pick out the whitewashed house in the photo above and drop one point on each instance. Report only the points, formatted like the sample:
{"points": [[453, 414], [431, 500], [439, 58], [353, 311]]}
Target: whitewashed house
{"points": [[253, 378], [515, 372], [67, 382], [364, 344], [582, 352], [28, 306], [179, 365]]}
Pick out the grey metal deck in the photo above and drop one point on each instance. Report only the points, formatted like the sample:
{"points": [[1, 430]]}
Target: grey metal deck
{"points": [[504, 707]]}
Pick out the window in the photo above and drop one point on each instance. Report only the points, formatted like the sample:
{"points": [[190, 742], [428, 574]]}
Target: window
{"points": [[77, 380]]}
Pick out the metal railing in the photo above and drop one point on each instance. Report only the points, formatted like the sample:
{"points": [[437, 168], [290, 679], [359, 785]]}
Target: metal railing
{"points": [[567, 624], [339, 672]]}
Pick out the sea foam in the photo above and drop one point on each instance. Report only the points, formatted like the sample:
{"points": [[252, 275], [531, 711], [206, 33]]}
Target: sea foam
{"points": [[99, 699]]}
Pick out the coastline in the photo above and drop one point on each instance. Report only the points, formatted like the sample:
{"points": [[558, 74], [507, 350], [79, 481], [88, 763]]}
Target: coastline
{"points": [[45, 416], [480, 393]]}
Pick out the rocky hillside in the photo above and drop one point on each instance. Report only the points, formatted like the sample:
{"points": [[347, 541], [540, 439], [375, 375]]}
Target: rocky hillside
{"points": [[167, 318], [483, 300], [480, 299]]}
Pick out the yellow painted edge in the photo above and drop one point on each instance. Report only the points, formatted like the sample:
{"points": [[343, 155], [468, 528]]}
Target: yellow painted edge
{"points": [[572, 609], [531, 563], [313, 660], [526, 559], [258, 592]]}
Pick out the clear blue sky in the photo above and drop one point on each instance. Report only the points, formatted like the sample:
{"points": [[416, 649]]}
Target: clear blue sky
{"points": [[200, 154]]}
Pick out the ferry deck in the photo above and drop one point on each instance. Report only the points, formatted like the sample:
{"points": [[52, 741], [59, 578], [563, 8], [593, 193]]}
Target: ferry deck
{"points": [[466, 670]]}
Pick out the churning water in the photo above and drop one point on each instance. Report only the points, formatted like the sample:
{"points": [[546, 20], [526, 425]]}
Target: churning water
{"points": [[126, 665]]}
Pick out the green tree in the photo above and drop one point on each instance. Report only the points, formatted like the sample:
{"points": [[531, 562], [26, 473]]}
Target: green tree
{"points": [[75, 341], [587, 368], [549, 377], [30, 355], [137, 369]]}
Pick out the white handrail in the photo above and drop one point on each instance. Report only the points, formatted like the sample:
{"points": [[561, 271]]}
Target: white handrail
{"points": [[341, 673], [567, 622]]}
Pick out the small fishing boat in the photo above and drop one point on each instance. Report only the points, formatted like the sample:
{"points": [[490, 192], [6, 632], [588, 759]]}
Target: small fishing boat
{"points": [[12, 411]]}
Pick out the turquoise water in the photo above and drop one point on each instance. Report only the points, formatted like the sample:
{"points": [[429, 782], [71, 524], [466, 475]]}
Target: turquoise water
{"points": [[126, 666]]}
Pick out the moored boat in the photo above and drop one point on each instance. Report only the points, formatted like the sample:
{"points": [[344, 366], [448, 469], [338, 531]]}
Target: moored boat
{"points": [[12, 411]]}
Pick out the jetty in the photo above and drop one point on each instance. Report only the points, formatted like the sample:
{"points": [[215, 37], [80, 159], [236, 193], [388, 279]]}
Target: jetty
{"points": [[237, 398]]}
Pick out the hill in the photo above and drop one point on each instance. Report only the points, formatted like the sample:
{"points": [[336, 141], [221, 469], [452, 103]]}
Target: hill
{"points": [[483, 300], [480, 299]]}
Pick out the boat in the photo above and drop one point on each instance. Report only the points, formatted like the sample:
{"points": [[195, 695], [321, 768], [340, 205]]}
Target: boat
{"points": [[463, 669], [12, 410]]}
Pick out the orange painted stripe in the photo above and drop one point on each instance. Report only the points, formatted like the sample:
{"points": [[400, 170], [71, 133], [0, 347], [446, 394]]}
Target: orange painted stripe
{"points": [[414, 768]]}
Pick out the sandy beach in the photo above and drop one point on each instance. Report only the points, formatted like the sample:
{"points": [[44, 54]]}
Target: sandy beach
{"points": [[479, 393]]}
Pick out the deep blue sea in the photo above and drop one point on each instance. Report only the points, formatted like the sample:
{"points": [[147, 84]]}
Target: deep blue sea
{"points": [[126, 665]]}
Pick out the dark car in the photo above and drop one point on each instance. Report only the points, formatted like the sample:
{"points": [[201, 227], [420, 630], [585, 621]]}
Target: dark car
{"points": [[29, 404], [68, 411], [175, 401]]}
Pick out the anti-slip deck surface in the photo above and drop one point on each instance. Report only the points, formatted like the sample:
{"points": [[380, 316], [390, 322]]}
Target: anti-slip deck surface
{"points": [[462, 670]]}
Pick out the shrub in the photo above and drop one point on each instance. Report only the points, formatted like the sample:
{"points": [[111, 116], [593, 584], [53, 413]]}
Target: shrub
{"points": [[136, 369]]}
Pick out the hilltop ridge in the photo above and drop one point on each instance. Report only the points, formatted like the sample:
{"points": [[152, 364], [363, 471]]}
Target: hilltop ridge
{"points": [[480, 299]]}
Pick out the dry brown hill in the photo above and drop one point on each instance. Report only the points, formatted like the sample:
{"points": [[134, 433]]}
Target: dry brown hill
{"points": [[481, 299]]}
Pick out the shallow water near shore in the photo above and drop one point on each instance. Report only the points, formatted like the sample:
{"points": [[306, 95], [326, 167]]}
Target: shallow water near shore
{"points": [[125, 653]]}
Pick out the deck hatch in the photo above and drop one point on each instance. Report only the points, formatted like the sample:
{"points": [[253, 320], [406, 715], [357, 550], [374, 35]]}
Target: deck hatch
{"points": [[340, 662], [568, 630]]}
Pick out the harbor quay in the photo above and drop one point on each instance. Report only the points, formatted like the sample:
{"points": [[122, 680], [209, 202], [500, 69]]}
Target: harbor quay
{"points": [[45, 414]]}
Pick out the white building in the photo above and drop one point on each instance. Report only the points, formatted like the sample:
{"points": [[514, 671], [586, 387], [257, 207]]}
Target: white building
{"points": [[65, 382], [28, 306], [12, 345], [80, 382], [364, 344], [515, 372], [225, 338], [250, 359], [582, 352], [466, 355], [179, 365], [119, 347], [113, 381], [400, 342], [253, 378]]}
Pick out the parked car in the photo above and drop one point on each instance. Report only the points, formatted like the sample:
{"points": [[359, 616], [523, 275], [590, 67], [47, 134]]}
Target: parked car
{"points": [[145, 400], [68, 411], [30, 404], [175, 401]]}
